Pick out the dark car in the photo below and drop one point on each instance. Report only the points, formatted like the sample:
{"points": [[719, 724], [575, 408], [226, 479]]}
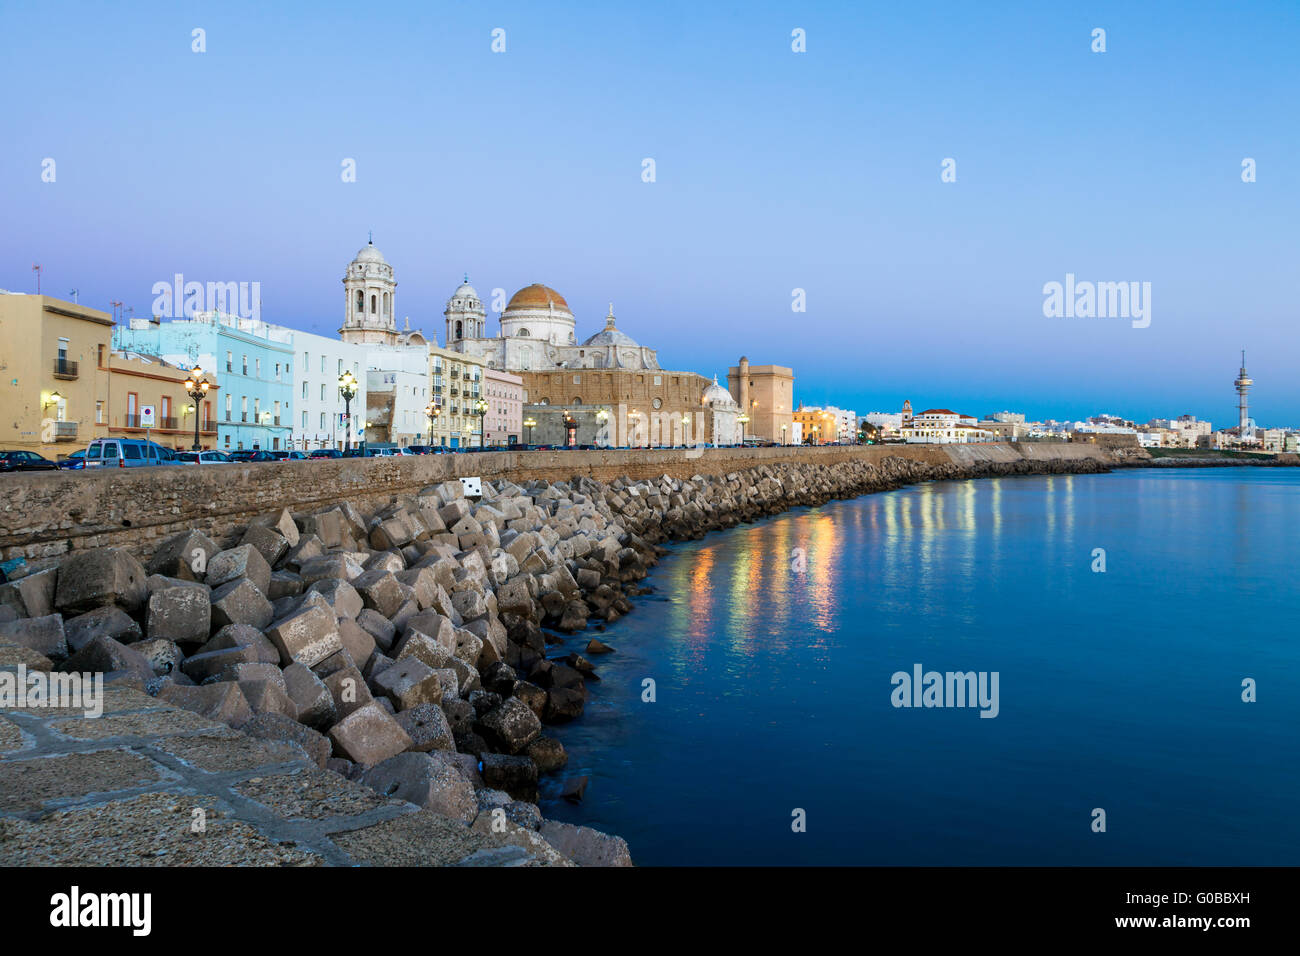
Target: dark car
{"points": [[249, 454], [74, 462], [325, 453], [288, 455], [25, 461]]}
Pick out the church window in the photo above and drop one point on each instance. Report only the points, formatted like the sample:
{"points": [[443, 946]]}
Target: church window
{"points": [[458, 327], [373, 304], [361, 301], [524, 333]]}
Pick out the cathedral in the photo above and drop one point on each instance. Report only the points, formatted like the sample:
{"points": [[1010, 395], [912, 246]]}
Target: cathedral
{"points": [[605, 390], [538, 332]]}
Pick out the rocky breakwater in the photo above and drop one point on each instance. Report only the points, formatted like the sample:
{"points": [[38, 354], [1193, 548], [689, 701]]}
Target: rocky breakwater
{"points": [[417, 649]]}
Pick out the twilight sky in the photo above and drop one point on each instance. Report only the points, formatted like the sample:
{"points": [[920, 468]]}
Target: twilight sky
{"points": [[775, 171]]}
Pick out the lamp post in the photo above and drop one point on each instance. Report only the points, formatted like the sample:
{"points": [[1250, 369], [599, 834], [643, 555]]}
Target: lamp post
{"points": [[744, 420], [782, 434], [686, 424], [197, 386], [530, 424], [570, 428], [432, 411], [601, 417], [348, 389], [481, 409]]}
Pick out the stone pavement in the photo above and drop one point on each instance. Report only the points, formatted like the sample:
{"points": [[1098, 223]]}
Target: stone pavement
{"points": [[149, 784]]}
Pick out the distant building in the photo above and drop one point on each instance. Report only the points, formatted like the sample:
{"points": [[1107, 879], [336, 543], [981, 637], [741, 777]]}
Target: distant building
{"points": [[321, 412], [942, 426], [819, 426], [1006, 417]]}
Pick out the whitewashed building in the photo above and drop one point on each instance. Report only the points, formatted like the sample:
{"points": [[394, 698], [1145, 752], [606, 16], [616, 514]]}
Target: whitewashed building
{"points": [[319, 362]]}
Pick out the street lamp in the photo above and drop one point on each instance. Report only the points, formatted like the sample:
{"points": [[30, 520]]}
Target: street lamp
{"points": [[432, 411], [348, 389], [570, 427], [636, 427], [601, 417], [744, 420], [686, 424], [481, 409], [197, 386], [530, 424], [782, 434]]}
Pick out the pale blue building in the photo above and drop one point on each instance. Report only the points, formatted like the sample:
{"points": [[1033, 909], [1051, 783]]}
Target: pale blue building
{"points": [[250, 359]]}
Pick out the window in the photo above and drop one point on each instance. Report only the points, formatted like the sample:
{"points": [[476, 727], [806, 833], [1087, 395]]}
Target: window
{"points": [[304, 389], [322, 365], [63, 350], [304, 421], [340, 366], [306, 361], [322, 393], [229, 398], [257, 367], [322, 420], [230, 362], [245, 358], [132, 413], [165, 406], [99, 413], [243, 408], [257, 410]]}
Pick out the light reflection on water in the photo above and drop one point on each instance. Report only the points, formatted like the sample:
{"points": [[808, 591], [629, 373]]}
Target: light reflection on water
{"points": [[1118, 690]]}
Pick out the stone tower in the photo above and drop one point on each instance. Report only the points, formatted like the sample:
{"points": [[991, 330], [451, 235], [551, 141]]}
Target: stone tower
{"points": [[466, 317], [369, 288]]}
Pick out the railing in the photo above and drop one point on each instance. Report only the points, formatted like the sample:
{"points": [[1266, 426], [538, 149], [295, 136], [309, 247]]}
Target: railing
{"points": [[65, 368]]}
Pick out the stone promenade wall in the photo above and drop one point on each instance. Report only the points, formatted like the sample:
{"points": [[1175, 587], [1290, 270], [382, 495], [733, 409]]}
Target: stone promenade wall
{"points": [[45, 514]]}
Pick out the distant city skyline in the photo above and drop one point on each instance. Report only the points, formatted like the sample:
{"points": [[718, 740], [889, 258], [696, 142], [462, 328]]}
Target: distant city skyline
{"points": [[775, 171]]}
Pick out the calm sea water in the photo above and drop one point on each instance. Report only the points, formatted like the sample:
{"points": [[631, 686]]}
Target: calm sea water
{"points": [[1119, 690]]}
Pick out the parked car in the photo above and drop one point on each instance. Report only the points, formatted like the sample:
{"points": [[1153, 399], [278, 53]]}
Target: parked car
{"points": [[202, 458], [250, 454], [74, 462], [127, 453], [288, 456], [25, 461], [325, 453]]}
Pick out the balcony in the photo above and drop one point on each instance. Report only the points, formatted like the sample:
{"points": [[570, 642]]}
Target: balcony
{"points": [[65, 368], [65, 431]]}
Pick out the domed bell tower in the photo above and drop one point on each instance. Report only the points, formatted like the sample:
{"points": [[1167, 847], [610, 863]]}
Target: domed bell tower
{"points": [[466, 317], [369, 289]]}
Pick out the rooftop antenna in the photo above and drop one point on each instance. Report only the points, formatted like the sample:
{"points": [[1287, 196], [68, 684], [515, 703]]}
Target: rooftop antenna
{"points": [[116, 309], [37, 270], [74, 293]]}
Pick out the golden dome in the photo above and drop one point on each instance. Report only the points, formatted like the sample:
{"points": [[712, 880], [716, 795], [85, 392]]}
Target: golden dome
{"points": [[537, 296]]}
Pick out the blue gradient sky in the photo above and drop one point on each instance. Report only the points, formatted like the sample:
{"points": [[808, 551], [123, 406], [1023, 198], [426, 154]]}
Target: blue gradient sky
{"points": [[775, 171]]}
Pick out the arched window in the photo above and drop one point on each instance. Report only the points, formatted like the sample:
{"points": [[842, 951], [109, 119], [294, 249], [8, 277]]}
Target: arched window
{"points": [[374, 302], [524, 332], [458, 332], [387, 304], [361, 302]]}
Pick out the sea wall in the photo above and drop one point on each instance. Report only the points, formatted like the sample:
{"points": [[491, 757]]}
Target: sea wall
{"points": [[48, 514]]}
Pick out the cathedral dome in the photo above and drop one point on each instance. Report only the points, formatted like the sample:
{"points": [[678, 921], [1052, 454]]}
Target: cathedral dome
{"points": [[715, 394], [537, 296], [610, 335]]}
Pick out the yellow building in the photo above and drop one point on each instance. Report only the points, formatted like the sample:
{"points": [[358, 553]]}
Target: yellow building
{"points": [[52, 358], [817, 426], [455, 387], [766, 394], [137, 382]]}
